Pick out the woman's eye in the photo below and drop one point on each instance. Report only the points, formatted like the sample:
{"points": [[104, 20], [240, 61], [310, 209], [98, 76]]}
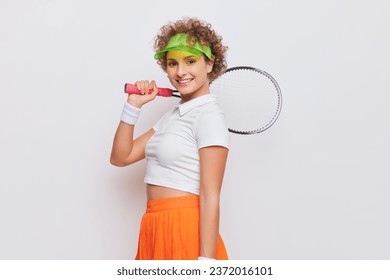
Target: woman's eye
{"points": [[172, 63], [191, 61]]}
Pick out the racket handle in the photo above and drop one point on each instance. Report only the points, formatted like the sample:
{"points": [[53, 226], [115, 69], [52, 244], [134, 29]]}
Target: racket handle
{"points": [[132, 89]]}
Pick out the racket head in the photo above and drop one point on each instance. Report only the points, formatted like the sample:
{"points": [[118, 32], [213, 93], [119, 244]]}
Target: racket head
{"points": [[250, 98]]}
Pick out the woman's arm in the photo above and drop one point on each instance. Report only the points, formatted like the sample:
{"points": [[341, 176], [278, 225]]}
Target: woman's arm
{"points": [[212, 169], [125, 150]]}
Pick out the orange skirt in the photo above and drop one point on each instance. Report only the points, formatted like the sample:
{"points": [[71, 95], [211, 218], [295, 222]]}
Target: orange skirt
{"points": [[170, 230]]}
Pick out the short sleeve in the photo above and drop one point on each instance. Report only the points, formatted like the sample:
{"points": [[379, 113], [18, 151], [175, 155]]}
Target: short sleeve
{"points": [[211, 129]]}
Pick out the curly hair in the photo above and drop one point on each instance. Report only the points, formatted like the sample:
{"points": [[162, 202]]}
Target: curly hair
{"points": [[197, 31]]}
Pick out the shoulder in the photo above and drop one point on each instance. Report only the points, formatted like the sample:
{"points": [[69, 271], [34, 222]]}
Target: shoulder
{"points": [[164, 118], [211, 114], [210, 127]]}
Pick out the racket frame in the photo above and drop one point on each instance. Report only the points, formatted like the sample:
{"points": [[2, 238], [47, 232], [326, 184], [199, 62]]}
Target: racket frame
{"points": [[279, 105]]}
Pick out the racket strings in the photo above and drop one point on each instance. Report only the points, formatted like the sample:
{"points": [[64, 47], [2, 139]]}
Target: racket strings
{"points": [[250, 98]]}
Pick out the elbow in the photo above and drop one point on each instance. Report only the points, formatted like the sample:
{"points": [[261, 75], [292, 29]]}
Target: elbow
{"points": [[116, 162]]}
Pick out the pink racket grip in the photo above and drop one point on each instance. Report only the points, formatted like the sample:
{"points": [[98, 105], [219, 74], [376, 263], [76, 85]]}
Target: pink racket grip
{"points": [[132, 89]]}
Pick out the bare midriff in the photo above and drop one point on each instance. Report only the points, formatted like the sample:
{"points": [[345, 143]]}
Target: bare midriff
{"points": [[158, 192]]}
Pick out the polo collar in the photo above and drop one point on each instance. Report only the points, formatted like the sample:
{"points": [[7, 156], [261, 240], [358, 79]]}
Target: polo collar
{"points": [[196, 102]]}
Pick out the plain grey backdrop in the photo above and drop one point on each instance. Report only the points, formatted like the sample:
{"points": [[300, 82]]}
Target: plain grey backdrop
{"points": [[314, 186]]}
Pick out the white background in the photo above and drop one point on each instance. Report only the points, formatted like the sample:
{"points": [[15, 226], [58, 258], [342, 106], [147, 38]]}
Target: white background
{"points": [[314, 186]]}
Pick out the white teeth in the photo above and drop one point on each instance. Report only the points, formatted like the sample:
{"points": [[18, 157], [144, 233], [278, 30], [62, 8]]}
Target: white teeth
{"points": [[184, 81]]}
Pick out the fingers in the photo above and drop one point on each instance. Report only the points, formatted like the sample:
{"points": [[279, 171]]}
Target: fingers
{"points": [[148, 91], [154, 89], [146, 87]]}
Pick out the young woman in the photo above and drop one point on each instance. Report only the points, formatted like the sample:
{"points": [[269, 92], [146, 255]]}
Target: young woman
{"points": [[186, 150]]}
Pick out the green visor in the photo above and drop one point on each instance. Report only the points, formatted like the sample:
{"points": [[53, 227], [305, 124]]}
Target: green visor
{"points": [[179, 42]]}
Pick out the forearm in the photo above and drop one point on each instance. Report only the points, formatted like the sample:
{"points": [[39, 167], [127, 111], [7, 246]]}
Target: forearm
{"points": [[125, 150], [123, 144], [209, 225]]}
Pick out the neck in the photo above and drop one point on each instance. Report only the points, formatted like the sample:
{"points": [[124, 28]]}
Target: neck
{"points": [[199, 92]]}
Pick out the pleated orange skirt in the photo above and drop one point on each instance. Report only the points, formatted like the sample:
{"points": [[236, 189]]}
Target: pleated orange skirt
{"points": [[170, 230]]}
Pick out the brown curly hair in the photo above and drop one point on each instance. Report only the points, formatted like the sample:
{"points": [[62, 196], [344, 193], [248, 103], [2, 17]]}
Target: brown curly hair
{"points": [[197, 31]]}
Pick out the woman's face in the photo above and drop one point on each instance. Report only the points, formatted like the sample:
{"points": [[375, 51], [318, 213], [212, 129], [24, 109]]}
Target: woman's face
{"points": [[188, 73]]}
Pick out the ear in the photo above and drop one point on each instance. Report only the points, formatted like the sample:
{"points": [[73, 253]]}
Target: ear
{"points": [[210, 64]]}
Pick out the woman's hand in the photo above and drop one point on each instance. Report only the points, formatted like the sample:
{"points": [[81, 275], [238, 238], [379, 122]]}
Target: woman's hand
{"points": [[138, 100]]}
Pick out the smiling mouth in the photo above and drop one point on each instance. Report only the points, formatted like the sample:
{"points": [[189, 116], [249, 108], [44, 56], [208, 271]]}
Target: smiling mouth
{"points": [[184, 82]]}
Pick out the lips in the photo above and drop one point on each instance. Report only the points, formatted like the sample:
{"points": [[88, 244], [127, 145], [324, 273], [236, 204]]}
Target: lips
{"points": [[184, 82]]}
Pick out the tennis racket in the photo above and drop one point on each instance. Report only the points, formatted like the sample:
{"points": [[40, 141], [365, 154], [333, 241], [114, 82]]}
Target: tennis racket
{"points": [[251, 98]]}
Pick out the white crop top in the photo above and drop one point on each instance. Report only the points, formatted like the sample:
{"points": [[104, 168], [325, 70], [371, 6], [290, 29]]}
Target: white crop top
{"points": [[172, 153]]}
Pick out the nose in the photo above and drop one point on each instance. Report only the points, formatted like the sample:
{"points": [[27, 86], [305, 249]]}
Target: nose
{"points": [[181, 70]]}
